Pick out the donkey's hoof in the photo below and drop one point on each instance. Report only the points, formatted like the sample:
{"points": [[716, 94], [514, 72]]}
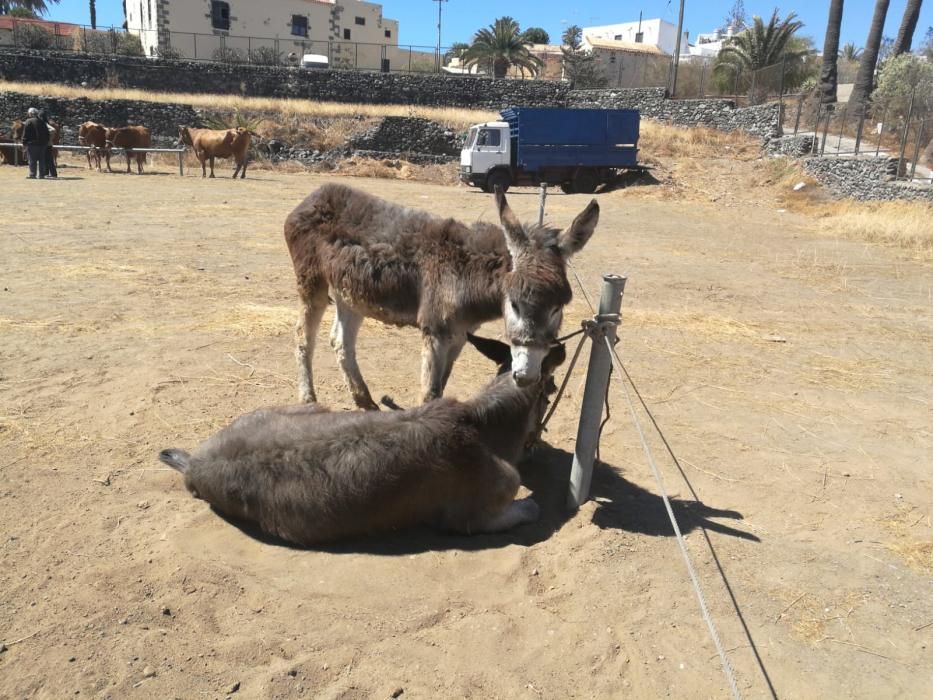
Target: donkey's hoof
{"points": [[389, 402]]}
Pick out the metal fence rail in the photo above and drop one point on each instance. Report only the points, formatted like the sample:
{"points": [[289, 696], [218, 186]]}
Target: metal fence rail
{"points": [[115, 150]]}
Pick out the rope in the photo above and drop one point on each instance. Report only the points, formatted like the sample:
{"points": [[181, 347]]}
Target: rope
{"points": [[563, 385], [726, 666], [694, 579]]}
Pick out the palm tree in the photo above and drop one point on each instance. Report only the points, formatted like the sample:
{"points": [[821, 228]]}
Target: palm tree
{"points": [[535, 35], [850, 52], [905, 34], [829, 76], [864, 79], [39, 7], [500, 46], [761, 44], [93, 14]]}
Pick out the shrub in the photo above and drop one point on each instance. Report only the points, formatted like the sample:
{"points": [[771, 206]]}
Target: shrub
{"points": [[265, 56], [168, 52], [228, 54], [31, 36], [95, 41], [899, 77]]}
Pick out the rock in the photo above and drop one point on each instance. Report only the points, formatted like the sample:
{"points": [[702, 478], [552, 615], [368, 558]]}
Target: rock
{"points": [[148, 672], [397, 692], [799, 186], [3, 648], [233, 688], [166, 611]]}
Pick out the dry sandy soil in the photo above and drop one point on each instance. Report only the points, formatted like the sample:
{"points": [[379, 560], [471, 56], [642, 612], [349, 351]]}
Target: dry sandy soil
{"points": [[790, 372]]}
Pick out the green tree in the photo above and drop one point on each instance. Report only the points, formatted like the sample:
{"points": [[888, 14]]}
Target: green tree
{"points": [[456, 50], [850, 52], [829, 76], [37, 7], [864, 80], [926, 49], [580, 66], [901, 76], [905, 34], [536, 35], [500, 46]]}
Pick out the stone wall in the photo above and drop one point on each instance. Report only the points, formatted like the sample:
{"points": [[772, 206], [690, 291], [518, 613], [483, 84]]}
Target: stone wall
{"points": [[374, 88], [410, 137], [162, 119], [267, 81], [763, 121], [794, 146], [864, 178]]}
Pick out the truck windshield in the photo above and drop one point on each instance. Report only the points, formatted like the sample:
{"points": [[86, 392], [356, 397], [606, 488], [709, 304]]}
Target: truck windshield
{"points": [[471, 138]]}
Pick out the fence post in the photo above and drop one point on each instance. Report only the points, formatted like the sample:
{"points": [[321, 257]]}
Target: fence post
{"points": [[913, 162], [541, 204], [884, 116], [910, 111], [781, 94], [816, 128], [799, 110], [597, 381], [858, 132], [829, 118], [194, 38], [842, 127], [181, 163]]}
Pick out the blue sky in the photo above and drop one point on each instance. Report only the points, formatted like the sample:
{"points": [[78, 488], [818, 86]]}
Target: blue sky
{"points": [[418, 18]]}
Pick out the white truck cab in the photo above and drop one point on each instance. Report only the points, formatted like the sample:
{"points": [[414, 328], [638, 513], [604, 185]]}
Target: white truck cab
{"points": [[486, 158]]}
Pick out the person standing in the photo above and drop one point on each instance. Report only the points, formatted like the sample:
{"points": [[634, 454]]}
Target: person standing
{"points": [[35, 140], [50, 165]]}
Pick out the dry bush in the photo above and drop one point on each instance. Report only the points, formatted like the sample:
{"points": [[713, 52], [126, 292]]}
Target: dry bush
{"points": [[695, 142]]}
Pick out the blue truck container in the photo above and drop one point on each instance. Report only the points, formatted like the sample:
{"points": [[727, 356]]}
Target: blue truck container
{"points": [[577, 149]]}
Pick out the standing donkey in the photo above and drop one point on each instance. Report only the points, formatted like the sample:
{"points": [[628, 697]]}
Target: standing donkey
{"points": [[409, 268]]}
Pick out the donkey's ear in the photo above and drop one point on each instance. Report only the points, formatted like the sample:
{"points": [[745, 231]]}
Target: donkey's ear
{"points": [[576, 235], [515, 237], [500, 353]]}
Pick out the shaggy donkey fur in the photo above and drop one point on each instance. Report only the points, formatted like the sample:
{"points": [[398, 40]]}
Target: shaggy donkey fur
{"points": [[310, 476], [405, 267]]}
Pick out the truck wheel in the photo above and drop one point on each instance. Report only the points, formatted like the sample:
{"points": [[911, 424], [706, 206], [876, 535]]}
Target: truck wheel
{"points": [[585, 181], [498, 179], [566, 188]]}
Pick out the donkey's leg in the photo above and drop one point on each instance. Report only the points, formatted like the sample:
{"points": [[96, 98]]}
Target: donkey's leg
{"points": [[457, 342], [488, 504], [343, 335], [436, 361], [309, 318]]}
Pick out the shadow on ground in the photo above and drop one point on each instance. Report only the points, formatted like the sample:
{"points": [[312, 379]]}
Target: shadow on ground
{"points": [[621, 505]]}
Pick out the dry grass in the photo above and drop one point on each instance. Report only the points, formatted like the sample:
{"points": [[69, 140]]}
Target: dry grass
{"points": [[692, 322], [453, 117], [916, 553], [665, 140], [253, 320]]}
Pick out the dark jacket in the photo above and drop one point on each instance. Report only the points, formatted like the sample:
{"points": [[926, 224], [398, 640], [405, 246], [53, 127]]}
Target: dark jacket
{"points": [[35, 132]]}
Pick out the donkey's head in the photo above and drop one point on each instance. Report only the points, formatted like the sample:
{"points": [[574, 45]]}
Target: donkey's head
{"points": [[501, 354], [536, 288]]}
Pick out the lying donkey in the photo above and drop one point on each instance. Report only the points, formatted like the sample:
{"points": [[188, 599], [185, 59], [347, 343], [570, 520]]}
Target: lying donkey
{"points": [[405, 267], [311, 476]]}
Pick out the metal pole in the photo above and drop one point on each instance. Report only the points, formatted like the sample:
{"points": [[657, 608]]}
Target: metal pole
{"points": [[884, 116], [858, 132], [781, 94], [913, 162], [541, 204], [797, 119], [816, 129], [597, 380], [842, 127], [829, 118], [181, 163], [680, 31], [910, 111]]}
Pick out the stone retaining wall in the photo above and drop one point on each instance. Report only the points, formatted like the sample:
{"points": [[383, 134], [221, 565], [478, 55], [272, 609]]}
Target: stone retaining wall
{"points": [[162, 119], [864, 178]]}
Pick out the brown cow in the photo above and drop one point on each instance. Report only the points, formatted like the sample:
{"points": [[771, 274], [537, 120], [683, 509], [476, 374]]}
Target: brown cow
{"points": [[94, 135], [128, 138], [12, 155], [218, 143]]}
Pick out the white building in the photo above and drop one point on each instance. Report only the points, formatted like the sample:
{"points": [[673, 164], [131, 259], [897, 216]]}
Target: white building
{"points": [[652, 32], [351, 33]]}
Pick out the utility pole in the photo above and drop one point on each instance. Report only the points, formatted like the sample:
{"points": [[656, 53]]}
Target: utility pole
{"points": [[680, 31], [438, 61]]}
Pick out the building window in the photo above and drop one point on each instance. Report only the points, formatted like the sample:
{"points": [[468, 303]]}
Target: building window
{"points": [[361, 21], [346, 34], [639, 37], [617, 37], [299, 25], [220, 14], [150, 11], [612, 57], [388, 33]]}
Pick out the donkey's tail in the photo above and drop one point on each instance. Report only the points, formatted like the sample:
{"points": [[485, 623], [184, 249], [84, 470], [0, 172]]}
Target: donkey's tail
{"points": [[177, 459]]}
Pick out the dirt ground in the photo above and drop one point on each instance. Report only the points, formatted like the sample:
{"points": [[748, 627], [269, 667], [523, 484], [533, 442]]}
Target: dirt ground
{"points": [[790, 372]]}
